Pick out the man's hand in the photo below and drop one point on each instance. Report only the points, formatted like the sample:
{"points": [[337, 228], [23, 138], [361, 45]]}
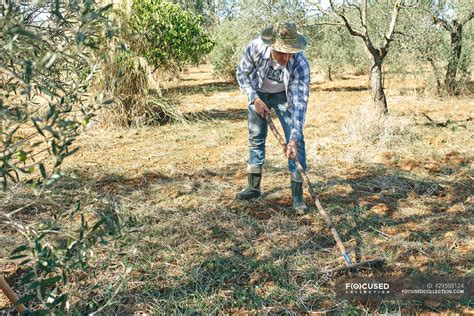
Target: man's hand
{"points": [[261, 107], [291, 149]]}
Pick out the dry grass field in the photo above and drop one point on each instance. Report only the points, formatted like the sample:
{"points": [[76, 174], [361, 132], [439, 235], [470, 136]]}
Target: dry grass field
{"points": [[403, 192]]}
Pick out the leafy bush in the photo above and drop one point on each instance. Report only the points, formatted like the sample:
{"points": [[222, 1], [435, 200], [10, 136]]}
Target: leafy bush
{"points": [[154, 34], [230, 43], [168, 36]]}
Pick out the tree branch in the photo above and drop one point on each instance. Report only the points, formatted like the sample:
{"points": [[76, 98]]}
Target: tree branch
{"points": [[360, 13], [391, 29], [442, 22], [405, 5], [353, 31], [332, 6], [467, 18], [403, 34], [363, 15], [327, 23], [340, 14]]}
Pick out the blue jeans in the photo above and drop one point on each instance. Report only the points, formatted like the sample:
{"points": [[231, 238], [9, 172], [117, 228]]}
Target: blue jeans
{"points": [[258, 129]]}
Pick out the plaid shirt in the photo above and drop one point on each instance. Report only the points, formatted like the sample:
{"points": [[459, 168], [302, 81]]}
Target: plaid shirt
{"points": [[251, 72]]}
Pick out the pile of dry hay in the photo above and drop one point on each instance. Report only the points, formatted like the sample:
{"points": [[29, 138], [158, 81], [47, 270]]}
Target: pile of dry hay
{"points": [[137, 97]]}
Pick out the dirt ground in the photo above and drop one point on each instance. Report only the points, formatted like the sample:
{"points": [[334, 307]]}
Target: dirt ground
{"points": [[402, 191]]}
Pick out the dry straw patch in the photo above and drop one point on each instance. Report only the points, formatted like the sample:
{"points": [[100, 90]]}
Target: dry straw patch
{"points": [[366, 127], [137, 95]]}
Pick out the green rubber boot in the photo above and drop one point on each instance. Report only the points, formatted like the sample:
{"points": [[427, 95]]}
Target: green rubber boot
{"points": [[253, 188], [297, 194]]}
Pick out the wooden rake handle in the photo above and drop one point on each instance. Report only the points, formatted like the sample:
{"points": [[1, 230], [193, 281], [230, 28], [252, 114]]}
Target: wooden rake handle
{"points": [[314, 196], [11, 295]]}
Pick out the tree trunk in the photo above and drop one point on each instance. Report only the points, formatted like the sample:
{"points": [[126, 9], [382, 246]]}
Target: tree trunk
{"points": [[436, 74], [376, 85], [455, 55], [329, 73]]}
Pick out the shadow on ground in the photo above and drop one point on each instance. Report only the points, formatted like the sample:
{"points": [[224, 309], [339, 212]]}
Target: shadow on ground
{"points": [[232, 115], [202, 88], [344, 89]]}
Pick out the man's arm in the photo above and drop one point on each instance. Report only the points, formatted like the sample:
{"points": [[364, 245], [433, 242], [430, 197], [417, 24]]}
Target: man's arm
{"points": [[299, 94], [244, 70]]}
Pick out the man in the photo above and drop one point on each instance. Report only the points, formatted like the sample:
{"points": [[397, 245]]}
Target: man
{"points": [[274, 74]]}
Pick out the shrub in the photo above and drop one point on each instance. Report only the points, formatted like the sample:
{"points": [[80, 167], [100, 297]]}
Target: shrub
{"points": [[46, 71], [169, 36], [154, 34], [230, 43]]}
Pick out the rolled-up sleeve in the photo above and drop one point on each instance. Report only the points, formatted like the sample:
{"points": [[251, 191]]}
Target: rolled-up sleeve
{"points": [[245, 68], [298, 97]]}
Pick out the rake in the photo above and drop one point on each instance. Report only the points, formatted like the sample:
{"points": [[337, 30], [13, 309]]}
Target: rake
{"points": [[314, 197], [12, 296]]}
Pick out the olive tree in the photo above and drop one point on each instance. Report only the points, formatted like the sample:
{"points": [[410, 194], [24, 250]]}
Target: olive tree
{"points": [[332, 50], [48, 61], [424, 42], [452, 16], [361, 20]]}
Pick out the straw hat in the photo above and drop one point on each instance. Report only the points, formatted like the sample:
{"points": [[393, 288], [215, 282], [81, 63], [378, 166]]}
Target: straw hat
{"points": [[284, 38]]}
